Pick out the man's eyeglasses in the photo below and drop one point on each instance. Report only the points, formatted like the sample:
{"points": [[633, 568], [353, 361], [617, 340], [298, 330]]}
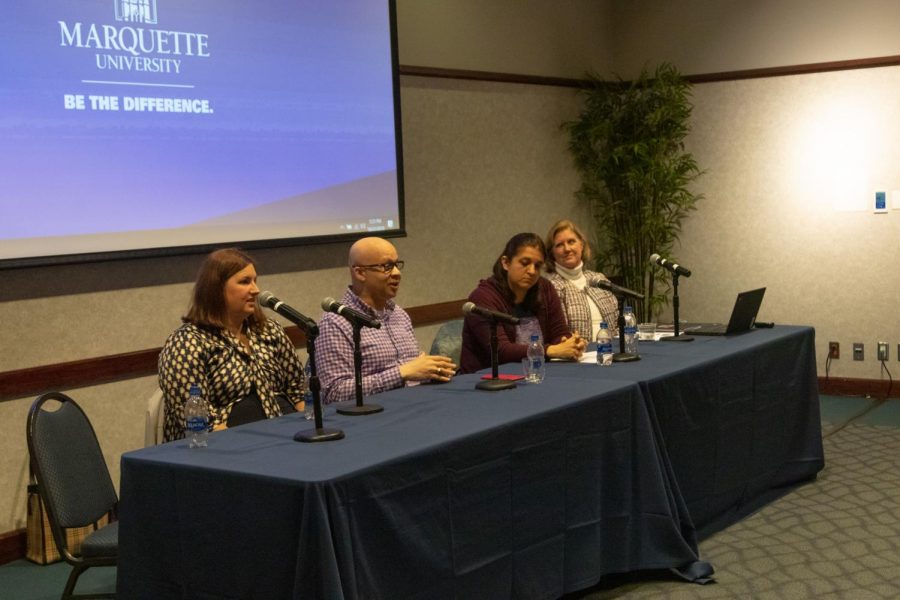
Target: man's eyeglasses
{"points": [[387, 267]]}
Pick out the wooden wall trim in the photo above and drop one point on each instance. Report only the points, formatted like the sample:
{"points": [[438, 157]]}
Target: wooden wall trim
{"points": [[12, 546], [104, 369], [430, 314], [489, 76], [822, 67], [805, 69], [848, 386], [77, 373]]}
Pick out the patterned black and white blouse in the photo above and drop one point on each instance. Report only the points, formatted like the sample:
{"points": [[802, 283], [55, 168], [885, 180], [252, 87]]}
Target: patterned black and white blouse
{"points": [[225, 370]]}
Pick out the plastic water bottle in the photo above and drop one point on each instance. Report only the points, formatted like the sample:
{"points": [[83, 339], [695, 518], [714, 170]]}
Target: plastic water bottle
{"points": [[308, 409], [630, 331], [604, 346], [535, 360], [196, 418]]}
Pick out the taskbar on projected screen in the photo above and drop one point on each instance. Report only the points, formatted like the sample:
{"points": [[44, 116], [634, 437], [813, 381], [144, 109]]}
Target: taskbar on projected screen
{"points": [[83, 250], [373, 224]]}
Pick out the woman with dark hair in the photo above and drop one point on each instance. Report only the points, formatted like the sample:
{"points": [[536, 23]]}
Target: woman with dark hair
{"points": [[585, 306], [244, 363], [517, 288]]}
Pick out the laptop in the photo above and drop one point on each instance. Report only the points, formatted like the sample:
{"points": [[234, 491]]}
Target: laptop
{"points": [[743, 316]]}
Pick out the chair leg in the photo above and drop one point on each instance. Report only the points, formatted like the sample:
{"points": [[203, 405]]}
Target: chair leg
{"points": [[69, 592], [77, 570]]}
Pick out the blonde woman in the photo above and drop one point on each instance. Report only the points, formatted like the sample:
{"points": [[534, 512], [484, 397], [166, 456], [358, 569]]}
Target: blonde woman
{"points": [[585, 306]]}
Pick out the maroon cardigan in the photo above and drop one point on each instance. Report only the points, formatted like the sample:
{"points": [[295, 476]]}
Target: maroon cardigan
{"points": [[476, 335]]}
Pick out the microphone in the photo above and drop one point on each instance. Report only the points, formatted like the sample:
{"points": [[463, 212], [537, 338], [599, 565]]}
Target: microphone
{"points": [[354, 316], [617, 290], [268, 300], [470, 308], [665, 264]]}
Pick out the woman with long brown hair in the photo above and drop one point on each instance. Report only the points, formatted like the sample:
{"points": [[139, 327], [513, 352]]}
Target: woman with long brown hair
{"points": [[517, 288], [244, 363]]}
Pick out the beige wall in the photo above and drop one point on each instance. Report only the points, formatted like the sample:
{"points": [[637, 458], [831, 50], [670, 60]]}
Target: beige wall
{"points": [[711, 36], [792, 164], [556, 38]]}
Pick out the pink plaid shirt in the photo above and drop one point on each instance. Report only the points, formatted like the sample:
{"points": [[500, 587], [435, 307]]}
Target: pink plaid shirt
{"points": [[383, 350]]}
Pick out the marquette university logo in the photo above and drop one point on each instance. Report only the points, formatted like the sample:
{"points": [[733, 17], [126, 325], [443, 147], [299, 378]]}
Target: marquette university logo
{"points": [[135, 45], [136, 11]]}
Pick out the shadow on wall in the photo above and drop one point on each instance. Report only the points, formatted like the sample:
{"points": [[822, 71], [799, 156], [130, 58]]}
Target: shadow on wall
{"points": [[62, 280]]}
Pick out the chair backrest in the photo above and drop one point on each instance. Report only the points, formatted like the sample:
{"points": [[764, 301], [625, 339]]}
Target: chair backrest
{"points": [[154, 419], [68, 464], [448, 340]]}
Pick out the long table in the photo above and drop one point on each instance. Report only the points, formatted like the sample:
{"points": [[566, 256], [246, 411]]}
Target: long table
{"points": [[738, 415], [454, 493]]}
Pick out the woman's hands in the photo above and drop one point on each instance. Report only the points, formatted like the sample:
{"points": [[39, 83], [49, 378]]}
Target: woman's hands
{"points": [[570, 348]]}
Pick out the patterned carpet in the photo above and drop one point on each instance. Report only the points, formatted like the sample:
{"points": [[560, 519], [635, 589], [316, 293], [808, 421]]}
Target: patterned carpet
{"points": [[836, 538]]}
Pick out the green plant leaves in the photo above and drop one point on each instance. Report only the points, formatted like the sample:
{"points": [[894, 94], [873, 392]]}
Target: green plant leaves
{"points": [[628, 146]]}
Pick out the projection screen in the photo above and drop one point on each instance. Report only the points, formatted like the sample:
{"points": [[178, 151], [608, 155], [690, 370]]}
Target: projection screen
{"points": [[145, 127]]}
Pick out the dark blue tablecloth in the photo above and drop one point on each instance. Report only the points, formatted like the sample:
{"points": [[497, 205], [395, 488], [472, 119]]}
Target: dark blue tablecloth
{"points": [[739, 415], [456, 493]]}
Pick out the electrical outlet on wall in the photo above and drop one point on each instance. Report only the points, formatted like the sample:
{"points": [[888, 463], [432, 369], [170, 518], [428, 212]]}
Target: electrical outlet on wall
{"points": [[882, 350], [834, 350], [859, 351]]}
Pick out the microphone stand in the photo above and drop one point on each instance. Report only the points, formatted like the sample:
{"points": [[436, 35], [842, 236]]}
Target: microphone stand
{"points": [[676, 337], [357, 408], [319, 434], [494, 383], [621, 355]]}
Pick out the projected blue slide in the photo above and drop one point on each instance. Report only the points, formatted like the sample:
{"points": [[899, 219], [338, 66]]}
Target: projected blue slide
{"points": [[132, 124]]}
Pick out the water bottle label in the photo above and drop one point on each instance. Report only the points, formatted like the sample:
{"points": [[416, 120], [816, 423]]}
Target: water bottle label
{"points": [[630, 330], [605, 349], [197, 424]]}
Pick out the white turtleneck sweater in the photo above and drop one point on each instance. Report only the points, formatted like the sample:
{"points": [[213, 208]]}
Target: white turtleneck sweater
{"points": [[576, 277]]}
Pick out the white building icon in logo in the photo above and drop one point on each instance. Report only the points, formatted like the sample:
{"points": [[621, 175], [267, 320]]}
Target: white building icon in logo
{"points": [[136, 11]]}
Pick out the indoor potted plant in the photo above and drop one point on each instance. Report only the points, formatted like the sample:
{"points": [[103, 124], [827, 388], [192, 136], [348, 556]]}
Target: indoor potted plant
{"points": [[628, 146]]}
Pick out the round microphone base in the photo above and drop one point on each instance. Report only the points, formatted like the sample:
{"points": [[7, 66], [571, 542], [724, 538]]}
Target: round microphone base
{"points": [[319, 435], [625, 357], [677, 338], [495, 385], [354, 409]]}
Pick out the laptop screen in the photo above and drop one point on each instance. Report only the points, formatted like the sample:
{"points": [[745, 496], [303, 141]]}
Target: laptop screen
{"points": [[746, 307]]}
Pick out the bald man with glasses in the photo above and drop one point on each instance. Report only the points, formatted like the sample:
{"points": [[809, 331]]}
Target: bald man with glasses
{"points": [[390, 355]]}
